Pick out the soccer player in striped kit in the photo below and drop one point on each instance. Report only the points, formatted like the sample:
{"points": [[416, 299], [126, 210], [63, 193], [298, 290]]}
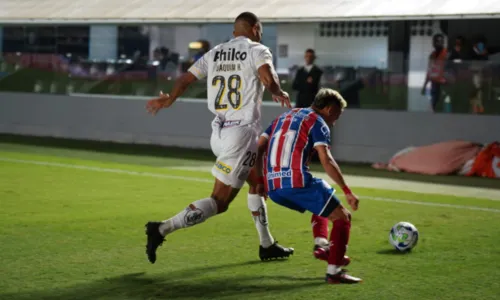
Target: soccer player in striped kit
{"points": [[288, 144]]}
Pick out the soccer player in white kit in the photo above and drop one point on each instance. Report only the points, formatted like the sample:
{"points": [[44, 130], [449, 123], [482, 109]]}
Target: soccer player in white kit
{"points": [[237, 73]]}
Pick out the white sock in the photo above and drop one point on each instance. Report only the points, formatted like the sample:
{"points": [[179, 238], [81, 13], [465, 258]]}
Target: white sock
{"points": [[195, 213], [257, 206], [333, 269], [321, 241]]}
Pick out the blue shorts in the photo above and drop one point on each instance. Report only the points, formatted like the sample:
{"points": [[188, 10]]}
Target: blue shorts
{"points": [[318, 197]]}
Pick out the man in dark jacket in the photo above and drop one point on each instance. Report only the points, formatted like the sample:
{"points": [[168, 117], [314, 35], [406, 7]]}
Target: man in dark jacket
{"points": [[307, 80]]}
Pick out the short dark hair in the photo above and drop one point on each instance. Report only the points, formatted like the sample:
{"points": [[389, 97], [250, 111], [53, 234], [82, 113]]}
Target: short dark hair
{"points": [[437, 35], [327, 97], [248, 17], [311, 51]]}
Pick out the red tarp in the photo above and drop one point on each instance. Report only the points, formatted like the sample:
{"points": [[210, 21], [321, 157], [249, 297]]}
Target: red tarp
{"points": [[449, 157]]}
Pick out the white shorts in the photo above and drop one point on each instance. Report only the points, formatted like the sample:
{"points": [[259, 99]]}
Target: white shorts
{"points": [[236, 151]]}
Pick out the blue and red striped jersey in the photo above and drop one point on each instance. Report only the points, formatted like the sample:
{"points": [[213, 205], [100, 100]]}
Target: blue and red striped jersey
{"points": [[292, 138]]}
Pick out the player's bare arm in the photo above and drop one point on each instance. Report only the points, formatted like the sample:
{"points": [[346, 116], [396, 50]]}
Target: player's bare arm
{"points": [[261, 151], [333, 170], [259, 165], [166, 100], [427, 79], [270, 79]]}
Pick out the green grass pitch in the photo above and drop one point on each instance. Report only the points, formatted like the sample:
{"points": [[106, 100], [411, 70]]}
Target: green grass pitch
{"points": [[71, 227]]}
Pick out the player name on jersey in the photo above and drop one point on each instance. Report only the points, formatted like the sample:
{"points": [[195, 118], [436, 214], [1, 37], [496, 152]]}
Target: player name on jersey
{"points": [[228, 67]]}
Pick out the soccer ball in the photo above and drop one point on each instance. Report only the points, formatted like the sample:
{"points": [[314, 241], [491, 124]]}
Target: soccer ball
{"points": [[403, 236]]}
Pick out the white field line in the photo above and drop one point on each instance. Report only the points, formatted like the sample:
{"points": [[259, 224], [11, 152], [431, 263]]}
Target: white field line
{"points": [[195, 179], [395, 185]]}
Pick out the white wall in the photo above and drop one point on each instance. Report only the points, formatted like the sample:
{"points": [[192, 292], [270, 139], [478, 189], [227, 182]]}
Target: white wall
{"points": [[103, 42], [352, 51], [335, 51], [185, 34], [178, 37], [216, 33], [161, 36], [298, 37]]}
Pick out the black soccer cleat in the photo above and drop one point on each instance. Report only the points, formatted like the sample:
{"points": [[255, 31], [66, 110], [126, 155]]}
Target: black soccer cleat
{"points": [[155, 239], [275, 251]]}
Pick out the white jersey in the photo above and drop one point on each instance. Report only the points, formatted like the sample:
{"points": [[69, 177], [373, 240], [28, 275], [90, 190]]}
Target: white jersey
{"points": [[234, 89]]}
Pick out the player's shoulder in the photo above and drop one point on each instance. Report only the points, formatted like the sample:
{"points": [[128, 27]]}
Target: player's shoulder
{"points": [[257, 47], [318, 120], [217, 48]]}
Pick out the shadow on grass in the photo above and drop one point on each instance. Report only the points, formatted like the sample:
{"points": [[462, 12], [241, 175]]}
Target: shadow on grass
{"points": [[183, 284], [393, 252]]}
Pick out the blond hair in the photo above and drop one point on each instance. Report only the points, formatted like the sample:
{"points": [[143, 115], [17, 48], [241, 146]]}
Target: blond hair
{"points": [[326, 97]]}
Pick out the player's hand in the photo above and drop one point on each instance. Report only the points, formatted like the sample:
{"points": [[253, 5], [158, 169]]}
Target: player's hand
{"points": [[353, 201], [284, 99], [261, 190], [153, 106]]}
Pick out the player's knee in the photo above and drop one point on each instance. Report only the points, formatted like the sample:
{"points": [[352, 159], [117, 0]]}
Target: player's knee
{"points": [[347, 215], [222, 204], [340, 213]]}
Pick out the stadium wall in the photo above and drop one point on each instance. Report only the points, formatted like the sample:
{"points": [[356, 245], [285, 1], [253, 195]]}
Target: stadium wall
{"points": [[335, 51], [359, 136]]}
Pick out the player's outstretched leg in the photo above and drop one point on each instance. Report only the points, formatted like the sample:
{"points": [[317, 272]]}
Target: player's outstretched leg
{"points": [[196, 213], [339, 238], [320, 233], [269, 248]]}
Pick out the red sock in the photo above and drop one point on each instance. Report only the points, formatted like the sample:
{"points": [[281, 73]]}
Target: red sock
{"points": [[319, 226], [339, 237]]}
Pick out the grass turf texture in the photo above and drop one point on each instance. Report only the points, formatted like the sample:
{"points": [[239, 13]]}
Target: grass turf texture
{"points": [[70, 233]]}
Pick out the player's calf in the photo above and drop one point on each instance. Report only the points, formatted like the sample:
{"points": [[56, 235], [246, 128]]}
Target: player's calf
{"points": [[269, 249], [196, 213], [339, 238]]}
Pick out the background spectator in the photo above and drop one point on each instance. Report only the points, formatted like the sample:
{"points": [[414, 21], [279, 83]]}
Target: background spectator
{"points": [[459, 50], [479, 55], [479, 49], [435, 70], [307, 80]]}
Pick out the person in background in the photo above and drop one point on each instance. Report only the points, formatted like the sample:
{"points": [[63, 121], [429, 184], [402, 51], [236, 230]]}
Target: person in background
{"points": [[307, 80], [479, 56], [479, 49], [459, 51], [435, 70]]}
